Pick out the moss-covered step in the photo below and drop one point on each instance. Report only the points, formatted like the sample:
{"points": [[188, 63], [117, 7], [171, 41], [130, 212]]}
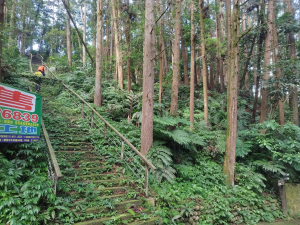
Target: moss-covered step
{"points": [[124, 216], [150, 221], [119, 207]]}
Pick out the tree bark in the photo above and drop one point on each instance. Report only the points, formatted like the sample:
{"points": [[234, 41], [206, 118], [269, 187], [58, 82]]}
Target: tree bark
{"points": [[78, 33], [192, 84], [291, 40], [267, 59], [160, 59], [276, 58], [2, 4], [184, 59], [119, 66], [204, 67], [176, 49], [228, 29], [245, 77], [98, 77], [211, 76], [232, 91], [127, 36], [219, 43], [83, 18], [148, 79], [165, 56], [68, 34], [260, 19], [12, 20]]}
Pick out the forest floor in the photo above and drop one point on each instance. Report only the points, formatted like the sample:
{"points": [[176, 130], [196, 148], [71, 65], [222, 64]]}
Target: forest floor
{"points": [[294, 222]]}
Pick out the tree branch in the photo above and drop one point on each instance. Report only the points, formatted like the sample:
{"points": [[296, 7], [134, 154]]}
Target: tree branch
{"points": [[160, 53], [79, 34]]}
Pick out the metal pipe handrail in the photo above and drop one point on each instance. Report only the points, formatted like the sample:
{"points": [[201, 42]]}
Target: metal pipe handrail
{"points": [[110, 126], [51, 151], [57, 171]]}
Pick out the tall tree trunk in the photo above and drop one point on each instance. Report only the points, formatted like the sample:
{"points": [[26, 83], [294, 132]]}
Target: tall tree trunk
{"points": [[148, 79], [78, 33], [83, 18], [203, 59], [94, 16], [211, 76], [219, 44], [68, 31], [160, 59], [2, 4], [184, 59], [267, 59], [127, 35], [176, 49], [165, 56], [119, 66], [12, 21], [232, 90], [244, 27], [228, 32], [291, 40], [98, 77], [192, 85], [23, 22], [260, 19], [111, 48], [276, 58]]}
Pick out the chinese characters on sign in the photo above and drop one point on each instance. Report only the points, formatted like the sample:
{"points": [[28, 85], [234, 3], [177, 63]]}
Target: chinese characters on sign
{"points": [[20, 115]]}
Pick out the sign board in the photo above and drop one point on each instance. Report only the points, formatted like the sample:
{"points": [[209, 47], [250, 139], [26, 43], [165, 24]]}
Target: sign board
{"points": [[20, 115]]}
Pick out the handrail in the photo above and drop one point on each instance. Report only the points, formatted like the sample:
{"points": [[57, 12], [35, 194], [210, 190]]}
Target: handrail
{"points": [[110, 126], [57, 172], [51, 151]]}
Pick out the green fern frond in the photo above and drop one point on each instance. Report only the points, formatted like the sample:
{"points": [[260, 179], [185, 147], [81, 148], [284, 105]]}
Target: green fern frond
{"points": [[269, 166]]}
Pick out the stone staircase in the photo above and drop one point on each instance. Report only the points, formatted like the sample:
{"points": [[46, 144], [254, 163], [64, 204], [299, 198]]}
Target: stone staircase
{"points": [[93, 183]]}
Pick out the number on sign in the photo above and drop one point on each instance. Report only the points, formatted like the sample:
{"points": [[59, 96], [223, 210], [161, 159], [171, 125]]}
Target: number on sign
{"points": [[6, 114], [26, 117], [34, 118], [17, 115]]}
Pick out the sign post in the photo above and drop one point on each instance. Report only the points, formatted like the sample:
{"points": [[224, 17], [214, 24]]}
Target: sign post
{"points": [[20, 115]]}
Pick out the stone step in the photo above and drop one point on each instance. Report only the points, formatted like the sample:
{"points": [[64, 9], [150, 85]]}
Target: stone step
{"points": [[106, 183], [73, 148], [150, 221], [101, 221], [112, 190], [100, 176], [104, 197], [89, 171], [78, 143], [87, 159], [119, 207]]}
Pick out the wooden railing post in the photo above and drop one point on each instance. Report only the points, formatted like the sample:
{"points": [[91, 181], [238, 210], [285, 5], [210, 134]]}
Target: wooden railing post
{"points": [[75, 100], [105, 127], [69, 93], [82, 111], [92, 119], [122, 150], [146, 180]]}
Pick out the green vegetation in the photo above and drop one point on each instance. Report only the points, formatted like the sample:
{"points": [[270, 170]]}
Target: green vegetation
{"points": [[219, 146]]}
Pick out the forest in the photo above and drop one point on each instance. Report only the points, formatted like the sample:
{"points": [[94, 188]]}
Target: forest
{"points": [[155, 111]]}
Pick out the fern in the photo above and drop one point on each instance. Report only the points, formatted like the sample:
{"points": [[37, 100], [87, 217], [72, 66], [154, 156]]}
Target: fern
{"points": [[184, 138], [243, 148], [160, 156], [171, 121], [269, 166]]}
